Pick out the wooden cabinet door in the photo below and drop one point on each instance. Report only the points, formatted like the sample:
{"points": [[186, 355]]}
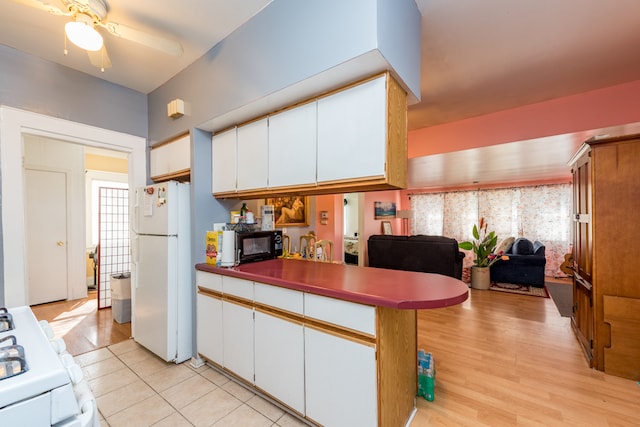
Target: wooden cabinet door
{"points": [[209, 327], [253, 155], [292, 146], [238, 353], [583, 244], [582, 317], [341, 380], [352, 133], [279, 365], [583, 321], [223, 162]]}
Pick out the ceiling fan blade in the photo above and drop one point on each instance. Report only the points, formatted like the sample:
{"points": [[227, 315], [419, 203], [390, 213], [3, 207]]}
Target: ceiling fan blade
{"points": [[48, 6], [100, 58], [160, 43]]}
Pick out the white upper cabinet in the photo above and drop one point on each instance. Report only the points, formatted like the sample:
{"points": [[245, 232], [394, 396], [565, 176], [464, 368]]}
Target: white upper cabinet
{"points": [[171, 160], [253, 155], [352, 133], [224, 160], [292, 147], [351, 140]]}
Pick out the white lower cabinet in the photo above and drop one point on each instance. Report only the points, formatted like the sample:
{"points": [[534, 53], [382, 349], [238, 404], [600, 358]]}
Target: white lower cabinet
{"points": [[314, 354], [237, 347], [209, 327], [279, 362], [341, 380]]}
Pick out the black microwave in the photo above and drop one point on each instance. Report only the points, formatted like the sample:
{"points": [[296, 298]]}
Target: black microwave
{"points": [[258, 245]]}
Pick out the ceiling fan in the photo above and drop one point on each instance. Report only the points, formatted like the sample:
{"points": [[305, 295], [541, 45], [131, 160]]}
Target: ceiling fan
{"points": [[90, 14]]}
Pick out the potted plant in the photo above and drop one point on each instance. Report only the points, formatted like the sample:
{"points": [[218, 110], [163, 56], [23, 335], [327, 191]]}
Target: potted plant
{"points": [[483, 246]]}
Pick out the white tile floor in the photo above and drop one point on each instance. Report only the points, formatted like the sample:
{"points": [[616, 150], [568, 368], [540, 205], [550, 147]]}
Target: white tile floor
{"points": [[133, 387]]}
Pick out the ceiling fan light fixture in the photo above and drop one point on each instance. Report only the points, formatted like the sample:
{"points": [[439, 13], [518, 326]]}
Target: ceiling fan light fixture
{"points": [[82, 34]]}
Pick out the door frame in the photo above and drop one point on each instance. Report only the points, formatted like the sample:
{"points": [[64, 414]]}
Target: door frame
{"points": [[14, 123]]}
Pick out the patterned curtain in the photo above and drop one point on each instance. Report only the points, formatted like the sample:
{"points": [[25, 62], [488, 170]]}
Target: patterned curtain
{"points": [[540, 212]]}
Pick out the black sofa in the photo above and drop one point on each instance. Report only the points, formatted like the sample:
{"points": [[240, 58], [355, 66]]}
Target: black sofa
{"points": [[428, 254], [525, 265]]}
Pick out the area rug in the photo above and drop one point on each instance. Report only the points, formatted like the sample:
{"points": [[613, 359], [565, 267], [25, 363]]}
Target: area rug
{"points": [[562, 296], [519, 289]]}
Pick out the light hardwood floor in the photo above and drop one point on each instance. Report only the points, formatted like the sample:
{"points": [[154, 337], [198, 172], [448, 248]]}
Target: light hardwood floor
{"points": [[82, 326], [512, 360]]}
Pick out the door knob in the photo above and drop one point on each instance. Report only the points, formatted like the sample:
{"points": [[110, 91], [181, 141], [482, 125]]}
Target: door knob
{"points": [[60, 243]]}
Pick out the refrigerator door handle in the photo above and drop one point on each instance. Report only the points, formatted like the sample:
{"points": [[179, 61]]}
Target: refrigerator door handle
{"points": [[134, 249], [136, 218]]}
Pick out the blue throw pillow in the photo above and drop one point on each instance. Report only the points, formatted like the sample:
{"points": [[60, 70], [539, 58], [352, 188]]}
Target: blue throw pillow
{"points": [[522, 246]]}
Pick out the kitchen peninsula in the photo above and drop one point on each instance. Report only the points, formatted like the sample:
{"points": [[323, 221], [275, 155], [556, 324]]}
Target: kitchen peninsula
{"points": [[336, 344]]}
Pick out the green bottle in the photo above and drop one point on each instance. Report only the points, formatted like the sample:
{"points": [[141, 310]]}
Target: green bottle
{"points": [[243, 212]]}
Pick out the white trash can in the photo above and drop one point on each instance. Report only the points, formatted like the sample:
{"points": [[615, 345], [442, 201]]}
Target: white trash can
{"points": [[121, 297]]}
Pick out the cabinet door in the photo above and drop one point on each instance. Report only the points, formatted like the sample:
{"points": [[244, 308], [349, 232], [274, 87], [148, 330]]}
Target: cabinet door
{"points": [[583, 239], [224, 159], [292, 146], [173, 158], [180, 154], [158, 161], [237, 321], [352, 133], [209, 328], [583, 321], [253, 155], [341, 380], [279, 365]]}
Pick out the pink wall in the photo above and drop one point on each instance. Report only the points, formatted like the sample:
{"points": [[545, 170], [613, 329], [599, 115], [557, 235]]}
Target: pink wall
{"points": [[613, 106], [333, 229]]}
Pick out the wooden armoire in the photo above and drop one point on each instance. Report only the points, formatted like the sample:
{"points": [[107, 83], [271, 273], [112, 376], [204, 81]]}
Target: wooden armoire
{"points": [[606, 253]]}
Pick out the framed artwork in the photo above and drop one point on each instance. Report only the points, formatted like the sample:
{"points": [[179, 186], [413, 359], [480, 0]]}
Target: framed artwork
{"points": [[290, 211], [383, 210], [386, 227]]}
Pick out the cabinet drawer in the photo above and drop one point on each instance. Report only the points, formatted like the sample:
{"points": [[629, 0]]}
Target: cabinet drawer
{"points": [[237, 287], [209, 281], [349, 315], [282, 298]]}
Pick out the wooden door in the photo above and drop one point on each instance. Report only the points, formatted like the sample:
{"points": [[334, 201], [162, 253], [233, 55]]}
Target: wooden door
{"points": [[46, 215], [582, 318], [583, 256]]}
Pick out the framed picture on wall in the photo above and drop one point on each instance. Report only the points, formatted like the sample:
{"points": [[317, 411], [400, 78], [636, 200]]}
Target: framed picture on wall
{"points": [[290, 211], [383, 210], [386, 228]]}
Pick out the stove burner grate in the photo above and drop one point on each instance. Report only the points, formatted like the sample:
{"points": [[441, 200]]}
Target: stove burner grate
{"points": [[6, 320], [12, 360]]}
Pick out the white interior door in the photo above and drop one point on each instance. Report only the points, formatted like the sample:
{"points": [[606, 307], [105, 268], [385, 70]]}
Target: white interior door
{"points": [[46, 213]]}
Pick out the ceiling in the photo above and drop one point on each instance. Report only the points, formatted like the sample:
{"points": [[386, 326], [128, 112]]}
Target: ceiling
{"points": [[478, 57]]}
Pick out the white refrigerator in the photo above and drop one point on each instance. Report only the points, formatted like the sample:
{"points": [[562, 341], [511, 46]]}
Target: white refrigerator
{"points": [[162, 297]]}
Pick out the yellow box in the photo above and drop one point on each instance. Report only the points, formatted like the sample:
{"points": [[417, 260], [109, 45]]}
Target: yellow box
{"points": [[212, 246]]}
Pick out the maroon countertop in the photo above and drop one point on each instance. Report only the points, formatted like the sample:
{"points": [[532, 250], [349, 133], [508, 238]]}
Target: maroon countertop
{"points": [[365, 285]]}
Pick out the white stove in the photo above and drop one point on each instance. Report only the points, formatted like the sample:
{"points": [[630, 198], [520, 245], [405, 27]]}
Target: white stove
{"points": [[41, 385]]}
